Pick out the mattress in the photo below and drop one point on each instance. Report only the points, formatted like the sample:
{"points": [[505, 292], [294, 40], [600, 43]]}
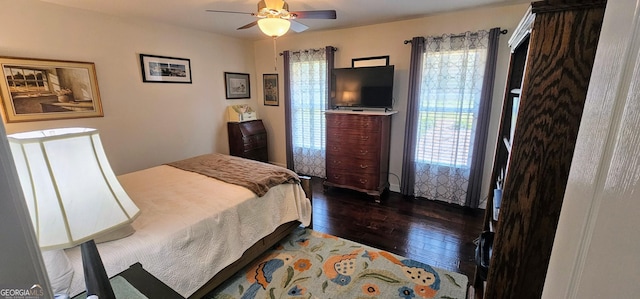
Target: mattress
{"points": [[192, 226]]}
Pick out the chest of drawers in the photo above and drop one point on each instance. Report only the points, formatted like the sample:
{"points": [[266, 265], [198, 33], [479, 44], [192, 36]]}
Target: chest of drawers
{"points": [[248, 140], [358, 152]]}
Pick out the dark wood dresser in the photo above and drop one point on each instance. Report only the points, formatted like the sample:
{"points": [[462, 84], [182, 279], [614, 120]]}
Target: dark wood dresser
{"points": [[248, 140], [358, 151]]}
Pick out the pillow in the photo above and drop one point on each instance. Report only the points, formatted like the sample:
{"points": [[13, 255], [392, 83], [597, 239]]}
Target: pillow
{"points": [[59, 270], [120, 233]]}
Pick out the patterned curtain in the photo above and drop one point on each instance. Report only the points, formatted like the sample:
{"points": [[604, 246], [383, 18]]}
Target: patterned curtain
{"points": [[450, 94], [482, 128], [308, 92], [407, 183]]}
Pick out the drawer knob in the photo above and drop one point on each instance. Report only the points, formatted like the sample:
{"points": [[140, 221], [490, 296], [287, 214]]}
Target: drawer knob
{"points": [[363, 181], [364, 152], [364, 166], [365, 138]]}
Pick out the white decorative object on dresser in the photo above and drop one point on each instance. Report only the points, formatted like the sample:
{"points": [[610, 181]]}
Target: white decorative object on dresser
{"points": [[240, 113]]}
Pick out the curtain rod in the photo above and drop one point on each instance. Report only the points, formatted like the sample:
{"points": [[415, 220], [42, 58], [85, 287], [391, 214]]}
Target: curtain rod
{"points": [[309, 50], [503, 31]]}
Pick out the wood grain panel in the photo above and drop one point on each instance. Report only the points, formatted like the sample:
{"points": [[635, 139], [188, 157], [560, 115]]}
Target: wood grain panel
{"points": [[562, 50]]}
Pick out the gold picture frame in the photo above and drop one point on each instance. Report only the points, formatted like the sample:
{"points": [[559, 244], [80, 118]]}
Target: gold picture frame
{"points": [[39, 89]]}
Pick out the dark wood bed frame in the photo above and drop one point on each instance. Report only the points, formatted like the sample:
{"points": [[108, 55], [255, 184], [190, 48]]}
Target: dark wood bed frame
{"points": [[256, 250]]}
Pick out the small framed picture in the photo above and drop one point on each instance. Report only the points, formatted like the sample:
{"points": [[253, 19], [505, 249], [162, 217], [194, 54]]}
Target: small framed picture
{"points": [[39, 89], [163, 69], [237, 85], [270, 85]]}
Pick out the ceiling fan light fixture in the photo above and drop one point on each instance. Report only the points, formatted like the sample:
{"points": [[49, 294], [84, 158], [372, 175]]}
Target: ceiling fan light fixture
{"points": [[274, 27]]}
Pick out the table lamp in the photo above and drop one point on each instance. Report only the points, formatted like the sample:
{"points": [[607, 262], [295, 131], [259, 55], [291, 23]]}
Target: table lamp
{"points": [[72, 194]]}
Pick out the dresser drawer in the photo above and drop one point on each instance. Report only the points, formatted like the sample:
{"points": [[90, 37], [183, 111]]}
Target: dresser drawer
{"points": [[353, 121], [255, 141], [353, 137], [351, 150], [259, 154], [357, 180], [369, 165]]}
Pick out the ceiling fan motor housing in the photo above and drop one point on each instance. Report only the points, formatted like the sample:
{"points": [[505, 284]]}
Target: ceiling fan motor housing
{"points": [[276, 9], [275, 14]]}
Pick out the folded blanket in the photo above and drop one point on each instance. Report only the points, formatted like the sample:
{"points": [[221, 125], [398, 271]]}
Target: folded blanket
{"points": [[256, 176]]}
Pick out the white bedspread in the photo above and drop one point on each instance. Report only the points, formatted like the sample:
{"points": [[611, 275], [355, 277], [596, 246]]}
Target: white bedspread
{"points": [[192, 226]]}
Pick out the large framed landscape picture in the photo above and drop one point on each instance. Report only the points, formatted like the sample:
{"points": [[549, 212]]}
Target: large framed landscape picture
{"points": [[39, 89]]}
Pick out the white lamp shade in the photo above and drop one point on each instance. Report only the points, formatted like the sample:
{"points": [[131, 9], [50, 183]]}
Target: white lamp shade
{"points": [[72, 194], [274, 26]]}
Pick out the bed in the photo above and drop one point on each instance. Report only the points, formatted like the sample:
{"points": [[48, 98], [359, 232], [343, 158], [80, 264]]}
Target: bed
{"points": [[194, 231]]}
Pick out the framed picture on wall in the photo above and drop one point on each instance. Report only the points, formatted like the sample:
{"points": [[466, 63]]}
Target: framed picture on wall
{"points": [[270, 85], [163, 69], [39, 89], [370, 61], [237, 85]]}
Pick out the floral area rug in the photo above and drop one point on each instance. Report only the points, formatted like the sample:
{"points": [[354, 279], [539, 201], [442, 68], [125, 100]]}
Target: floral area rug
{"points": [[309, 264]]}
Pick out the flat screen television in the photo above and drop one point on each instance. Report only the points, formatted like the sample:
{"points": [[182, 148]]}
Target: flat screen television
{"points": [[362, 87]]}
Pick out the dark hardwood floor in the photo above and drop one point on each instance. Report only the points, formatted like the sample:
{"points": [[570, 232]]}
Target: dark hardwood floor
{"points": [[435, 233]]}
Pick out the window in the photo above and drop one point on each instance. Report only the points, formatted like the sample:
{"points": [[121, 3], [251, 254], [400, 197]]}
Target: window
{"points": [[449, 99], [448, 104], [26, 80], [308, 85], [308, 104]]}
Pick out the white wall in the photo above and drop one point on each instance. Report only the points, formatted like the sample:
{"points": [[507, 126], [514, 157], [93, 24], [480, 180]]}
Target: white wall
{"points": [[145, 124], [387, 39], [595, 252]]}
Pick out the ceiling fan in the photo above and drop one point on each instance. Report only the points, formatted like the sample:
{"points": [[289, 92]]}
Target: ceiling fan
{"points": [[275, 19]]}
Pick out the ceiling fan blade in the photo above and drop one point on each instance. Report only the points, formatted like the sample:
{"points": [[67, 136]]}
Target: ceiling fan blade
{"points": [[248, 25], [228, 11], [297, 26], [314, 14]]}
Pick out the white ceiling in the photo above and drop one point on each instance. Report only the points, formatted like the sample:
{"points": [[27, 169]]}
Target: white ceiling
{"points": [[351, 13]]}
